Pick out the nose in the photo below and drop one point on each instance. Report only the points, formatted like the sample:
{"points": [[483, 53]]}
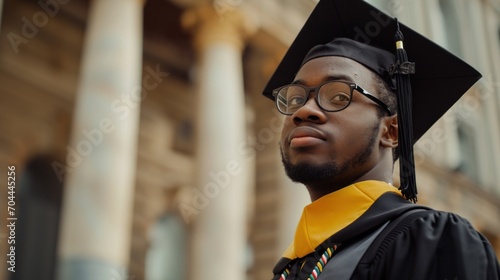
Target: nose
{"points": [[310, 112]]}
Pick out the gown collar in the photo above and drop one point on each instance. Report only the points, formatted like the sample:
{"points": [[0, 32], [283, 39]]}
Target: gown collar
{"points": [[331, 213]]}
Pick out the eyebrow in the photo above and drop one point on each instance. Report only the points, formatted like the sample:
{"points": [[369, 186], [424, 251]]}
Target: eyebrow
{"points": [[339, 77]]}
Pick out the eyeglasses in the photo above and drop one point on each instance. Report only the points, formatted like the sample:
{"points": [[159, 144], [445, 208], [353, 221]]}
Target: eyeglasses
{"points": [[332, 96]]}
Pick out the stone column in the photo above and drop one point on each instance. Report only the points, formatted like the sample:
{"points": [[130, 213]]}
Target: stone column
{"points": [[219, 234], [101, 161]]}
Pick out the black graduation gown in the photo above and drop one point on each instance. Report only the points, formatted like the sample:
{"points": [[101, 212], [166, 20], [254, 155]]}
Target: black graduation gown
{"points": [[427, 245]]}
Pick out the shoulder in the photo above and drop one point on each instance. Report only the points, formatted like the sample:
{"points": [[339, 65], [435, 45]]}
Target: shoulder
{"points": [[431, 244]]}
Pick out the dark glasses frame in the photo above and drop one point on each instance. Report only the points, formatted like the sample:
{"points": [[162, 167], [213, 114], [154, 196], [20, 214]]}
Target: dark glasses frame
{"points": [[352, 86]]}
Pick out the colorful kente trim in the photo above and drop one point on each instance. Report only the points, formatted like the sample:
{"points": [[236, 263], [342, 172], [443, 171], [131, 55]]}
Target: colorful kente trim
{"points": [[285, 273], [327, 255]]}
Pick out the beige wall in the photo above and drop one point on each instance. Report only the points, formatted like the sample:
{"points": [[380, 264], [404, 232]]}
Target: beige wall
{"points": [[37, 89]]}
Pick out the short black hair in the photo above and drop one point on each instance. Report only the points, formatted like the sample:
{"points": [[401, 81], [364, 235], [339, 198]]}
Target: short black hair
{"points": [[388, 96]]}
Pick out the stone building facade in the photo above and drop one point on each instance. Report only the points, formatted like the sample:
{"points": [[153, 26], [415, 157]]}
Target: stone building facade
{"points": [[144, 150]]}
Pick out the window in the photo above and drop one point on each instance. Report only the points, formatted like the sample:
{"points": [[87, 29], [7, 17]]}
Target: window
{"points": [[39, 199], [451, 25], [468, 164], [166, 257]]}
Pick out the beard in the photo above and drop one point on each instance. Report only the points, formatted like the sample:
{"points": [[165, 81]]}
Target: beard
{"points": [[309, 173]]}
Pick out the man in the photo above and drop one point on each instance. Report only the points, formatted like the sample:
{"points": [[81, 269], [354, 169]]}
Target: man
{"points": [[343, 129]]}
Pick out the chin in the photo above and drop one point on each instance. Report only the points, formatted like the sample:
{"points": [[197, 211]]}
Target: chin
{"points": [[307, 172]]}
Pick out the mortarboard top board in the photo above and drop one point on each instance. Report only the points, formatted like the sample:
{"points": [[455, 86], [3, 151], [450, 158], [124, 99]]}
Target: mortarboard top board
{"points": [[440, 78]]}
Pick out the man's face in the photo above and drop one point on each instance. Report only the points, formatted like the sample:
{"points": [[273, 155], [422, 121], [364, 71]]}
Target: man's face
{"points": [[332, 147]]}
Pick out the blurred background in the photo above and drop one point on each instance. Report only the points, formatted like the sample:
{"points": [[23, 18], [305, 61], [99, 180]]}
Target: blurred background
{"points": [[143, 148]]}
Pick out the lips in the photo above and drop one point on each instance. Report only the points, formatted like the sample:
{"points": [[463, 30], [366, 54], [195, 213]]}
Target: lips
{"points": [[305, 136]]}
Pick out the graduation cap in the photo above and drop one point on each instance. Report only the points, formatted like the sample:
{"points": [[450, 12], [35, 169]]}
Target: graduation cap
{"points": [[428, 79]]}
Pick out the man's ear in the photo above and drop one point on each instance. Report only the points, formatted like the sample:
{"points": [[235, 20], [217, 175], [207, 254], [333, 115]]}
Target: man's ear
{"points": [[389, 137]]}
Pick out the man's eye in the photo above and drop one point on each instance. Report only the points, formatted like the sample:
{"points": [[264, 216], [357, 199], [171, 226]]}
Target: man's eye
{"points": [[295, 101], [340, 97]]}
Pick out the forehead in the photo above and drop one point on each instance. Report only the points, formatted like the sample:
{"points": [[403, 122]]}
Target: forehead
{"points": [[325, 68]]}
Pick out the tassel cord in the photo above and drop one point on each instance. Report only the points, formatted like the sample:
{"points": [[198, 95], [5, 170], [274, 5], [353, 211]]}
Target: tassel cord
{"points": [[404, 96]]}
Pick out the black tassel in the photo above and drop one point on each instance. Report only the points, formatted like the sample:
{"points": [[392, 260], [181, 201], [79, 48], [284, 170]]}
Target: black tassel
{"points": [[402, 69]]}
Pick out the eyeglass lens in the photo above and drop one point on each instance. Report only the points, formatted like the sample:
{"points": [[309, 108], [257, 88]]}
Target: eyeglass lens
{"points": [[333, 96]]}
